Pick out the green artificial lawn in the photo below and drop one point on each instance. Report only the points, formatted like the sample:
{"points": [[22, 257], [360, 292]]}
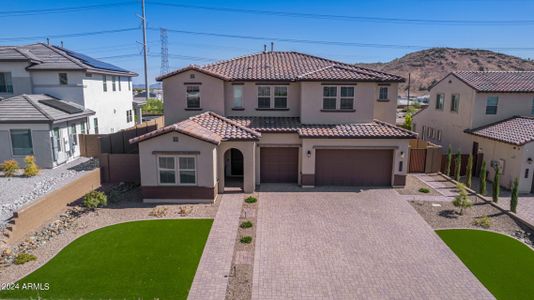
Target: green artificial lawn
{"points": [[136, 260], [503, 264]]}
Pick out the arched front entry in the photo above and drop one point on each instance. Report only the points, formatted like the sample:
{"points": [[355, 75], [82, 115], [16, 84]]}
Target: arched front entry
{"points": [[233, 169]]}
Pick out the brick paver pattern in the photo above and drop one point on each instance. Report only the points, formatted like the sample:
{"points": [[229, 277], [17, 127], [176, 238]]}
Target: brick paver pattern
{"points": [[211, 278], [346, 245]]}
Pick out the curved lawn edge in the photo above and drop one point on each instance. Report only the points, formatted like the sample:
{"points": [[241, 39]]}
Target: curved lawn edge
{"points": [[500, 262], [485, 230], [40, 264]]}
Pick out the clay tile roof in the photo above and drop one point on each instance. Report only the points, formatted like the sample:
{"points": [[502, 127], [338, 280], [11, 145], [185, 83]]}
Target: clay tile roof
{"points": [[516, 130], [498, 81], [208, 126], [287, 66], [270, 124], [371, 130]]}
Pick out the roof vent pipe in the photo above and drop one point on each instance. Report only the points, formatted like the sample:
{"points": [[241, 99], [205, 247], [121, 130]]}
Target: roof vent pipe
{"points": [[272, 46], [264, 48]]}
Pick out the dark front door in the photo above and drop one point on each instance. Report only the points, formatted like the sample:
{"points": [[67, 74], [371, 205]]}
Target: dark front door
{"points": [[236, 159], [279, 164], [353, 167]]}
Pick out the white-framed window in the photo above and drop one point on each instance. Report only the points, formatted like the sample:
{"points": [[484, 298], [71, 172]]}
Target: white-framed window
{"points": [[440, 99], [238, 96], [73, 135], [280, 97], [6, 84], [347, 97], [63, 79], [179, 170], [329, 97], [383, 93], [455, 102], [272, 97], [332, 95], [166, 170], [439, 135], [129, 117], [187, 169], [193, 96], [491, 105], [95, 125], [21, 141], [264, 97], [113, 83], [83, 129], [105, 83]]}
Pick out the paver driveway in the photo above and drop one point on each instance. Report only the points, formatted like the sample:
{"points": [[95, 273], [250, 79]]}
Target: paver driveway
{"points": [[346, 245]]}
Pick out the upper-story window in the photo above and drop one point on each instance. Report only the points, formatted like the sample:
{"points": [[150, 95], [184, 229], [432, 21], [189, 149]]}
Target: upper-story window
{"points": [[329, 97], [272, 97], [491, 105], [334, 94], [193, 96], [347, 97], [6, 85], [455, 102], [383, 93], [105, 83], [238, 96], [63, 79], [264, 97], [280, 97], [440, 99], [113, 83]]}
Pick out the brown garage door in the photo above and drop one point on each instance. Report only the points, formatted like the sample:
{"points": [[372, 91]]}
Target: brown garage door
{"points": [[353, 167], [279, 164]]}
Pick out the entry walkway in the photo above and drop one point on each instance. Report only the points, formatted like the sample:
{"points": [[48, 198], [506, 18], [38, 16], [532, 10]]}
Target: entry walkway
{"points": [[211, 278]]}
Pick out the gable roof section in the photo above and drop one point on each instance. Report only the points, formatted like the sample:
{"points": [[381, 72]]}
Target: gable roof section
{"points": [[496, 81], [517, 130], [286, 66], [34, 109]]}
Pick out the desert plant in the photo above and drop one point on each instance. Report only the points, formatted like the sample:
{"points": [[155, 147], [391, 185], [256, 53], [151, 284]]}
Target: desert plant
{"points": [[23, 258], [515, 196], [251, 199], [9, 167], [31, 169], [496, 190], [457, 166], [408, 121], [158, 212], [246, 240], [483, 178], [246, 224], [462, 200], [449, 161], [469, 171], [424, 190], [484, 222], [95, 199]]}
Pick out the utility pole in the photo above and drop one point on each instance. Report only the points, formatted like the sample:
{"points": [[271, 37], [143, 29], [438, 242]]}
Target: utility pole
{"points": [[145, 55], [409, 82], [164, 51]]}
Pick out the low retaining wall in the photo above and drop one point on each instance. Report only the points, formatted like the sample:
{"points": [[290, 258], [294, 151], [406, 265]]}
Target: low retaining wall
{"points": [[31, 217]]}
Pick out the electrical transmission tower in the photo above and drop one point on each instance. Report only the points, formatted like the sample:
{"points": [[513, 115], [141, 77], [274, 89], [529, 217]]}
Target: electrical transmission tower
{"points": [[164, 51]]}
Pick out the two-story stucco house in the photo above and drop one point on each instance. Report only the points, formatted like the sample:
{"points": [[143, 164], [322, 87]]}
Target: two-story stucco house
{"points": [[474, 112], [273, 117], [67, 75]]}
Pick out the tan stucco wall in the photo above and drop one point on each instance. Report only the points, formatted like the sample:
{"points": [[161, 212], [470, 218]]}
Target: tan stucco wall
{"points": [[386, 110], [510, 104], [206, 160], [248, 149], [211, 95]]}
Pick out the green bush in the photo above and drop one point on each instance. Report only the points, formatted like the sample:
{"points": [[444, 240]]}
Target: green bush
{"points": [[9, 167], [153, 106], [424, 190], [246, 224], [23, 258], [31, 169], [484, 222], [251, 199], [246, 240], [95, 199], [462, 200]]}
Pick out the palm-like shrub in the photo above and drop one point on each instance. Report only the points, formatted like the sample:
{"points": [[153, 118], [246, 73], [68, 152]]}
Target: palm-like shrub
{"points": [[9, 167]]}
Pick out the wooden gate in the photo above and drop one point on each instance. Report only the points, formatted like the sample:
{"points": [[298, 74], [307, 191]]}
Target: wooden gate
{"points": [[417, 160], [425, 157]]}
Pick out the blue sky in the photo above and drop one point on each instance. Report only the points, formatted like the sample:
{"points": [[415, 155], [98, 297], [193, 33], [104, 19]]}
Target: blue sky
{"points": [[203, 48]]}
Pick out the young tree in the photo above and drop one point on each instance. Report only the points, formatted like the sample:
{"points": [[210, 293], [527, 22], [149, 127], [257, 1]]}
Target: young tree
{"points": [[449, 161], [457, 166], [515, 195], [469, 171], [462, 200], [496, 186], [408, 121], [483, 178]]}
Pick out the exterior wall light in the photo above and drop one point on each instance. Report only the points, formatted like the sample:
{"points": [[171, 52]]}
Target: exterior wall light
{"points": [[402, 154], [529, 161], [308, 153]]}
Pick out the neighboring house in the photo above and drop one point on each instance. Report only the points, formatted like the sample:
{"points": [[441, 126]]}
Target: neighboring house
{"points": [[45, 69], [273, 117], [42, 126]]}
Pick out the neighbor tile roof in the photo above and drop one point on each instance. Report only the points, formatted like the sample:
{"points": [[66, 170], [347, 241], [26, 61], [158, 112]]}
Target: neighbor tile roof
{"points": [[270, 124], [516, 130], [498, 81], [287, 66], [29, 109]]}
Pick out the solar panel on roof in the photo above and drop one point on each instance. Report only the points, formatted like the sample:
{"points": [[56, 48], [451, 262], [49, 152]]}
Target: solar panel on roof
{"points": [[65, 107], [95, 63]]}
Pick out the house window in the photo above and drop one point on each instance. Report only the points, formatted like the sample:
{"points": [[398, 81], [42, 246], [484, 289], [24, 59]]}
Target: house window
{"points": [[82, 128], [280, 97], [193, 96], [187, 170], [21, 141], [63, 79], [439, 135], [347, 97], [383, 93], [119, 83], [129, 116], [329, 97], [88, 75], [166, 170], [526, 172], [129, 83], [455, 102], [113, 84], [105, 83], [95, 125], [491, 105], [73, 135], [401, 165], [238, 96], [6, 85], [440, 98], [264, 97], [423, 132]]}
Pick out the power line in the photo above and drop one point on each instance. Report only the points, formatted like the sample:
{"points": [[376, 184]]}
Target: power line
{"points": [[351, 18], [31, 12], [68, 35]]}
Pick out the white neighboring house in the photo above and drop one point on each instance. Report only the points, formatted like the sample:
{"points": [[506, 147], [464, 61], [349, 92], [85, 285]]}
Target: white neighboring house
{"points": [[64, 74]]}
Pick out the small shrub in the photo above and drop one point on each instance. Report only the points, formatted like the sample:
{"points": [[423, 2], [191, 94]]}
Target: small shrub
{"points": [[95, 199], [159, 212], [31, 169], [114, 196], [23, 258], [9, 167], [246, 224], [246, 240], [424, 190], [484, 222], [251, 199], [183, 211], [462, 200]]}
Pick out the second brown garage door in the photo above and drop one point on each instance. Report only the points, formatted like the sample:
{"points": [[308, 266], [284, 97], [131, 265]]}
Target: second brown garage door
{"points": [[353, 167], [279, 164]]}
